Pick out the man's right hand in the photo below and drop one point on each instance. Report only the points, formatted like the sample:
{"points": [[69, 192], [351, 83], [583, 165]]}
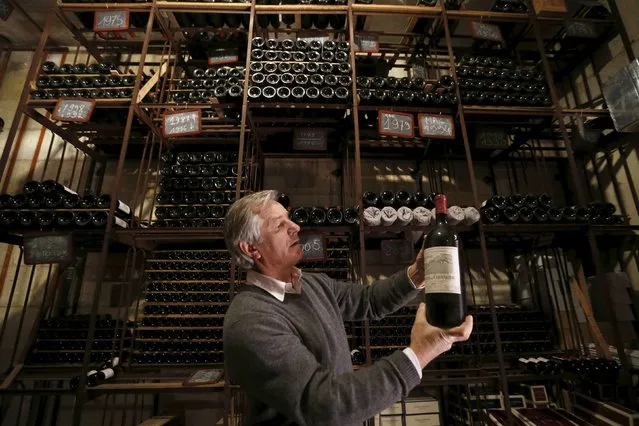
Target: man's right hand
{"points": [[428, 342]]}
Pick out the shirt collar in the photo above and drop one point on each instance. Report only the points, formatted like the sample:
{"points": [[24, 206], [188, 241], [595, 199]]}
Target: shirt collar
{"points": [[274, 286]]}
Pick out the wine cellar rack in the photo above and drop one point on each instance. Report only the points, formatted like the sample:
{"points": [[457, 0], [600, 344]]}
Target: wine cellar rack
{"points": [[169, 321]]}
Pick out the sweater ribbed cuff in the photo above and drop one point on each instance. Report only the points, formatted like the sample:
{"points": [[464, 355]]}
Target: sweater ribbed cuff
{"points": [[406, 370]]}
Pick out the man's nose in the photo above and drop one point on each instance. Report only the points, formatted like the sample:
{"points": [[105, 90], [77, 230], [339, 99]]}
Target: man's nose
{"points": [[294, 228]]}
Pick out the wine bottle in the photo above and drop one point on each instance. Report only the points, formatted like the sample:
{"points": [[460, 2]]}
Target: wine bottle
{"points": [[284, 200], [443, 295], [318, 216], [334, 216], [471, 216], [455, 215], [372, 216], [496, 201], [121, 209], [351, 216], [389, 216], [300, 216]]}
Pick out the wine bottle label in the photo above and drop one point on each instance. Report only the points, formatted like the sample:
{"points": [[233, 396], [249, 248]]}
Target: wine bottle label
{"points": [[441, 270], [126, 209], [115, 361], [68, 190], [119, 222], [108, 373], [92, 372]]}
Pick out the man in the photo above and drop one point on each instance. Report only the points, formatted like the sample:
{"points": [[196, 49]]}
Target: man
{"points": [[284, 338]]}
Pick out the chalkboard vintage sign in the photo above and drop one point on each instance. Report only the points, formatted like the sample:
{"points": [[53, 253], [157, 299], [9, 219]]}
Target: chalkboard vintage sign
{"points": [[486, 31], [436, 126], [392, 123], [313, 247], [44, 249], [73, 109], [111, 20], [311, 139], [366, 42], [181, 123]]}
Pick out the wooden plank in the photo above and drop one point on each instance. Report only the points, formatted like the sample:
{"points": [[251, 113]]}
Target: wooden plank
{"points": [[144, 90], [161, 421], [11, 377], [600, 341]]}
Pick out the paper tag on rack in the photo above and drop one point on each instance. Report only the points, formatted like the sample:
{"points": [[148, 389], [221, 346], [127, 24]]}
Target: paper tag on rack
{"points": [[223, 56], [366, 42]]}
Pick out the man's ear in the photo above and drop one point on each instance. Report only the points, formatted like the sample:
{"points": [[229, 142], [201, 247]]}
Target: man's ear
{"points": [[250, 250]]}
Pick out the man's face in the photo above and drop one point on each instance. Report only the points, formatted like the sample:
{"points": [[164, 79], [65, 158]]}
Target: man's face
{"points": [[280, 247]]}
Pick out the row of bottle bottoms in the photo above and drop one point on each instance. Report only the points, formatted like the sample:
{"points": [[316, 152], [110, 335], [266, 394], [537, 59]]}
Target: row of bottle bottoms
{"points": [[52, 201], [288, 79], [324, 216], [82, 93], [310, 94], [224, 74], [322, 21], [191, 255], [420, 216], [197, 157], [445, 83], [599, 370], [285, 56], [188, 223], [201, 197], [47, 220], [50, 67], [342, 69], [405, 97], [86, 82], [221, 93], [187, 266]]}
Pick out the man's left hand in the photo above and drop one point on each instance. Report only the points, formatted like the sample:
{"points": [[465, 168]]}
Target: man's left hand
{"points": [[416, 270]]}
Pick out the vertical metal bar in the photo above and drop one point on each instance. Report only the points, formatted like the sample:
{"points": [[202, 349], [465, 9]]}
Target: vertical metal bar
{"points": [[22, 314], [81, 395], [558, 113], [11, 293], [482, 237]]}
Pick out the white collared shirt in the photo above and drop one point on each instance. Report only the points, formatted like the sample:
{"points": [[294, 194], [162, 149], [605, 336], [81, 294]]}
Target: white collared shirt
{"points": [[278, 289]]}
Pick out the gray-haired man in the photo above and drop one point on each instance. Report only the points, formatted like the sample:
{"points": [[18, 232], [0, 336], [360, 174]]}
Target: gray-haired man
{"points": [[284, 338]]}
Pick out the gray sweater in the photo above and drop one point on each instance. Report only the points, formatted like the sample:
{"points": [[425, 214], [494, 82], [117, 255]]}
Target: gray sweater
{"points": [[292, 357]]}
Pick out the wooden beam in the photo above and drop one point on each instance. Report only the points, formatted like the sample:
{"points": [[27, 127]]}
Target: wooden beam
{"points": [[152, 82], [599, 340]]}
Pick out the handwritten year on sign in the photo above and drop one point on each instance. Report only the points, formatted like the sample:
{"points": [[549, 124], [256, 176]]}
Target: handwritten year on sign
{"points": [[436, 126], [72, 109], [313, 247], [223, 56], [111, 20], [395, 124], [366, 42], [182, 123], [486, 31], [310, 139]]}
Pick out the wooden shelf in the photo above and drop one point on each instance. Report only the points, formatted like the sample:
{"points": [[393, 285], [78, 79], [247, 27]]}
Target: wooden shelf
{"points": [[180, 6], [384, 9]]}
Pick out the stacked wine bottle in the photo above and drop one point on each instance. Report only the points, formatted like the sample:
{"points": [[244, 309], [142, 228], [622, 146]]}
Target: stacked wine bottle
{"points": [[320, 216], [215, 20], [533, 208], [196, 188], [510, 6], [93, 81], [201, 85], [184, 307], [322, 21], [596, 370], [404, 209], [406, 92], [62, 340], [335, 265], [300, 71], [50, 205], [521, 331], [487, 80]]}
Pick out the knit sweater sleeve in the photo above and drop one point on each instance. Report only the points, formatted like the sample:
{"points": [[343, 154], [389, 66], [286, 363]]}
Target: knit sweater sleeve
{"points": [[267, 358], [360, 302]]}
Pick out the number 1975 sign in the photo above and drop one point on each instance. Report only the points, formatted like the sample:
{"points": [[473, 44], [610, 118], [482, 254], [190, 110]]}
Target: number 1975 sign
{"points": [[182, 123], [111, 20]]}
